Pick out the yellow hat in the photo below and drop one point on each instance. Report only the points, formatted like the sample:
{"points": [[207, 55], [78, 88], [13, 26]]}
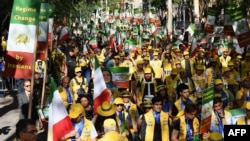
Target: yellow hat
{"points": [[199, 67], [215, 136], [248, 106], [106, 109], [109, 123], [117, 57], [218, 81], [177, 50], [230, 63], [139, 62], [147, 70], [238, 95], [232, 82], [84, 63], [150, 47], [185, 53], [75, 110], [118, 100], [239, 56], [147, 103], [125, 93], [160, 87], [225, 50], [174, 71], [155, 54], [226, 69], [146, 58], [78, 69], [177, 62]]}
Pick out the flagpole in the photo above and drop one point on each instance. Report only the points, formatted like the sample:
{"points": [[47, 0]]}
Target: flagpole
{"points": [[32, 76]]}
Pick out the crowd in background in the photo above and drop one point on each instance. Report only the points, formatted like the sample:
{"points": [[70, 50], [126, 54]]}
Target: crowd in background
{"points": [[163, 100]]}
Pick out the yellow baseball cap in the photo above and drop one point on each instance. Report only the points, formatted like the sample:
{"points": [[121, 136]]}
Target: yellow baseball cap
{"points": [[147, 70], [109, 123], [125, 93], [139, 62], [77, 69], [75, 110], [147, 103], [118, 100], [186, 53], [174, 71], [218, 81]]}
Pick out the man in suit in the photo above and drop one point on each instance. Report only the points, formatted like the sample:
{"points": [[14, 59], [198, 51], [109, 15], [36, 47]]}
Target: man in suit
{"points": [[23, 101]]}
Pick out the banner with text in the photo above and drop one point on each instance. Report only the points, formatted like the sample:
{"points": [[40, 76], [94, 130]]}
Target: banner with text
{"points": [[22, 40], [228, 28], [42, 32], [206, 111]]}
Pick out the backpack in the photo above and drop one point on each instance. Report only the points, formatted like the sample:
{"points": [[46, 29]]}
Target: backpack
{"points": [[80, 91]]}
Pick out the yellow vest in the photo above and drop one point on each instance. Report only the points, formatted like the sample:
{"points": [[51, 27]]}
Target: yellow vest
{"points": [[183, 127], [169, 83], [150, 121], [64, 95], [141, 93], [157, 67], [242, 121], [132, 111], [178, 104], [74, 86], [86, 131]]}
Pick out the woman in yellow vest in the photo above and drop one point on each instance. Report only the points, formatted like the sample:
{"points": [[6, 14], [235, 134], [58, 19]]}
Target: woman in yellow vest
{"points": [[187, 126]]}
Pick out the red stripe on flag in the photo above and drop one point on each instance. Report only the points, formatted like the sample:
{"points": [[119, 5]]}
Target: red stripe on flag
{"points": [[64, 38], [62, 128], [104, 96]]}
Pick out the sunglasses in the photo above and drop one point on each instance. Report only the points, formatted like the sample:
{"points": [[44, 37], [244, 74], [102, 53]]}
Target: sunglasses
{"points": [[119, 105], [27, 85], [78, 72]]}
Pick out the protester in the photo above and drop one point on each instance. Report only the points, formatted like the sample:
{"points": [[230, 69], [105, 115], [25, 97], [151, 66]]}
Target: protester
{"points": [[85, 128], [187, 125], [26, 130], [110, 131], [155, 123]]}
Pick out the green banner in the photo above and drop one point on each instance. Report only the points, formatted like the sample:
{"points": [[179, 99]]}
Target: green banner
{"points": [[44, 12], [207, 95], [25, 12]]}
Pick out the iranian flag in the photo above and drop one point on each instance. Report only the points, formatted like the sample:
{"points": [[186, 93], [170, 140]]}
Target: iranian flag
{"points": [[130, 45], [93, 42], [101, 92], [64, 35], [206, 110], [154, 30], [60, 124]]}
